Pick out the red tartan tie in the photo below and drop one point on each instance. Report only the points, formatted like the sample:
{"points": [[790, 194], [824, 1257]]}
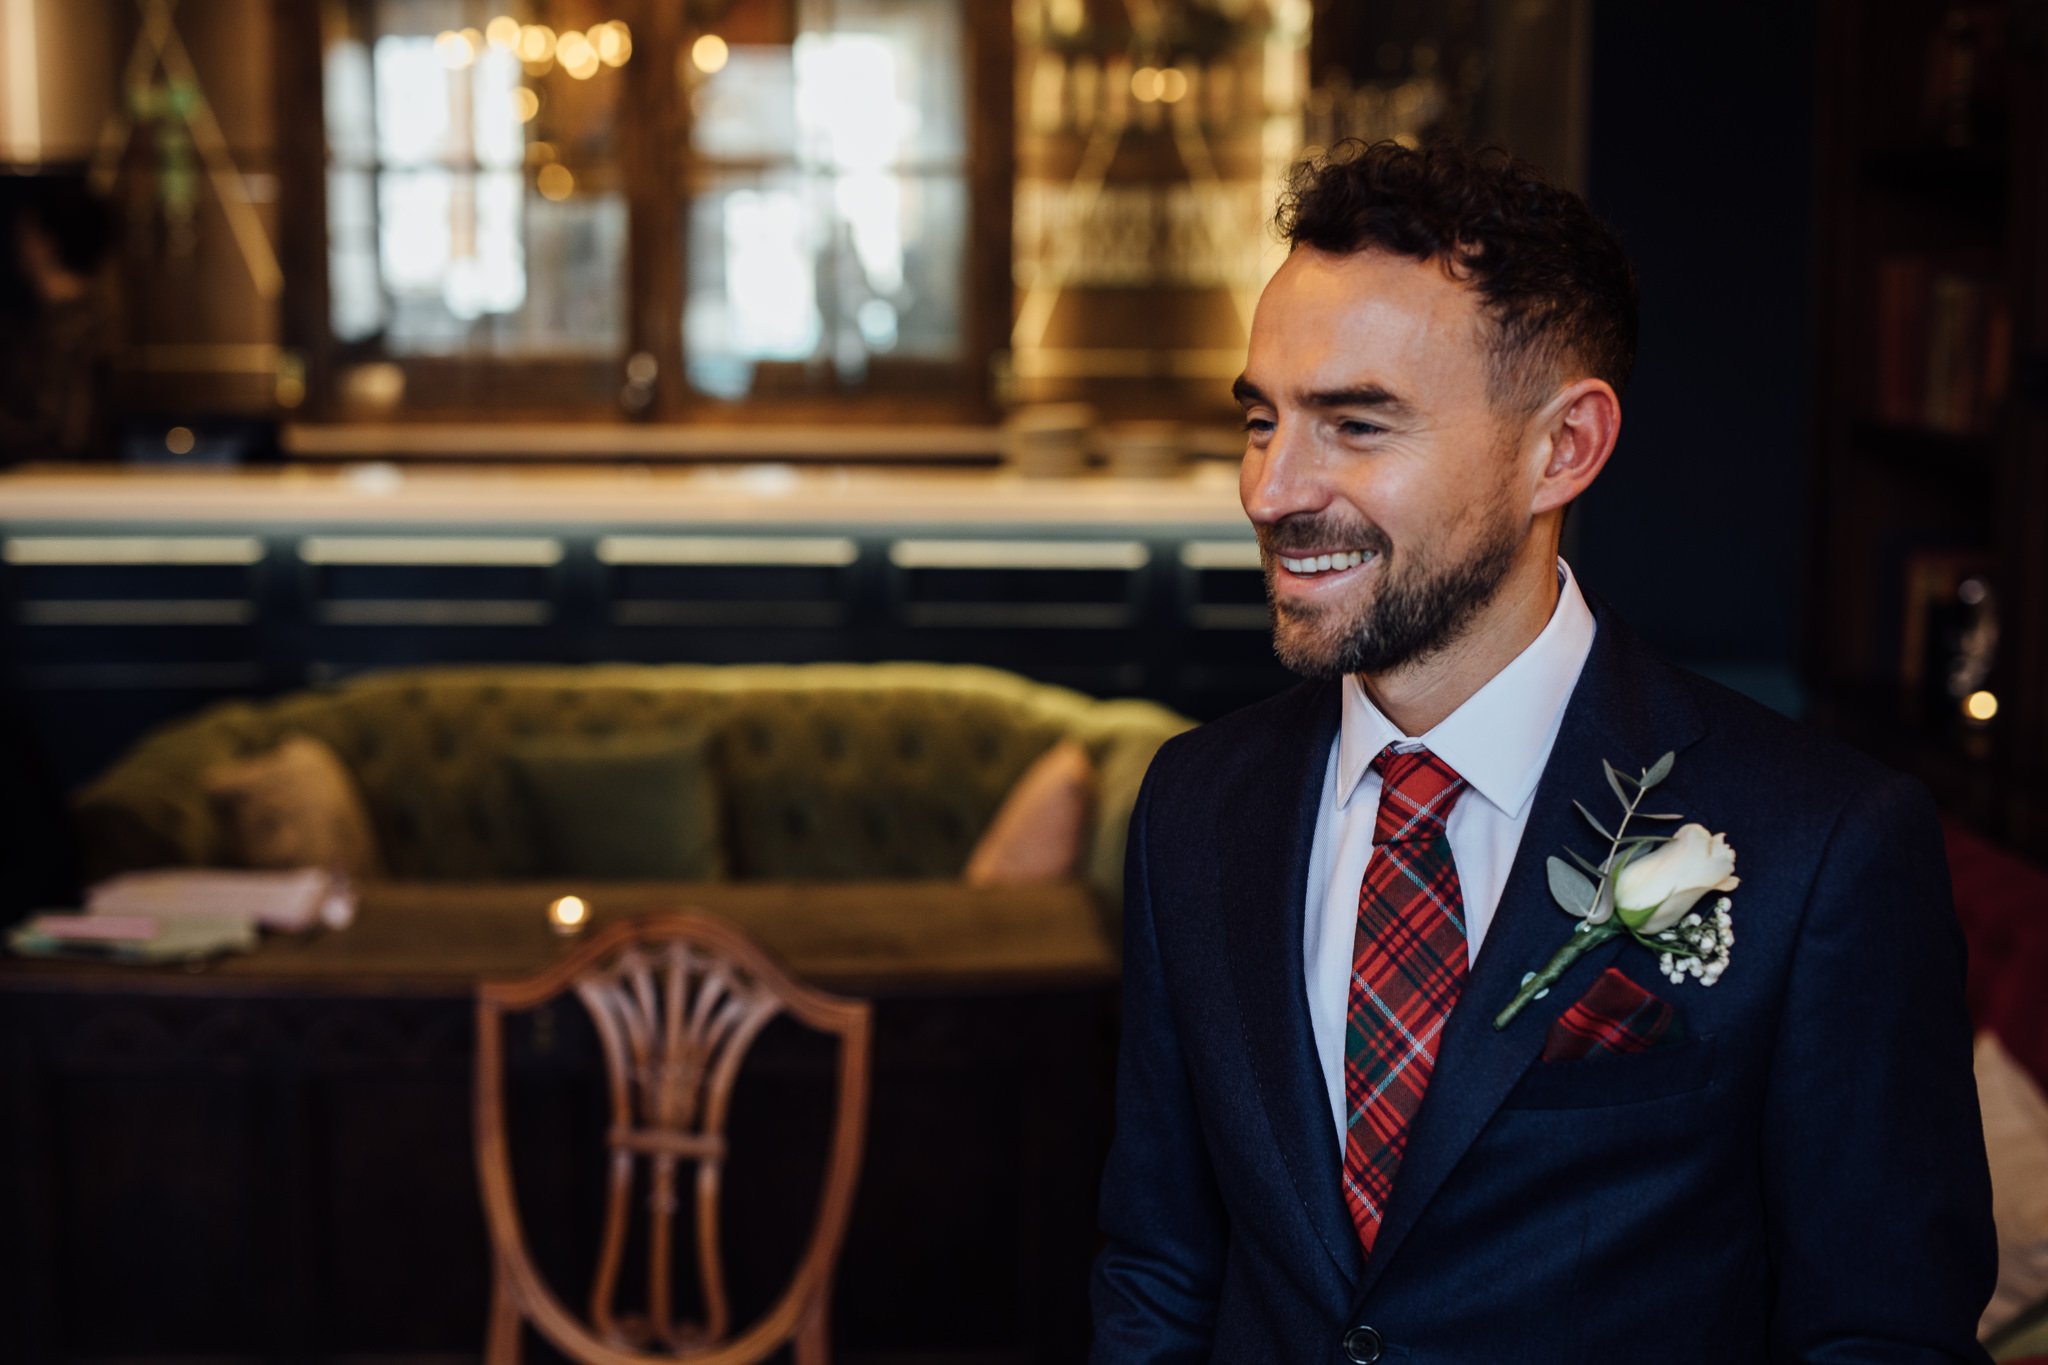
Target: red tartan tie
{"points": [[1407, 966]]}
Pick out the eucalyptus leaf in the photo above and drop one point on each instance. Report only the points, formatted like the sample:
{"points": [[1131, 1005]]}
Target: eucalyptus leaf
{"points": [[1584, 862], [1656, 815], [1603, 903], [1571, 888], [1659, 770], [1594, 821], [1635, 840], [1614, 780]]}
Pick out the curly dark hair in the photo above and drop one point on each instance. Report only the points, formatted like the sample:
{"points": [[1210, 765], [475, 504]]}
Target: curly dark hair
{"points": [[1555, 280]]}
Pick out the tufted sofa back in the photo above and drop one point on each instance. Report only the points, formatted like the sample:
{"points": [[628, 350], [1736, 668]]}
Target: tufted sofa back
{"points": [[829, 771]]}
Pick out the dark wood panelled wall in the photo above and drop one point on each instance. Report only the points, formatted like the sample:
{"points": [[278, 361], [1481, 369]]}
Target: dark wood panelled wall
{"points": [[1929, 560]]}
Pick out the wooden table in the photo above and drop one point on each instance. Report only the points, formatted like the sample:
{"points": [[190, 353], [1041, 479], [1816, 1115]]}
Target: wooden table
{"points": [[269, 1157], [433, 939]]}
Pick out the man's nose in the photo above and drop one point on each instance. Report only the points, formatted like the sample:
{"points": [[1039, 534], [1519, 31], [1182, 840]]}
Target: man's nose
{"points": [[1281, 478]]}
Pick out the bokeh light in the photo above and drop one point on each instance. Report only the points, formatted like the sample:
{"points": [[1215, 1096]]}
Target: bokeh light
{"points": [[709, 54], [536, 43], [555, 182], [614, 42]]}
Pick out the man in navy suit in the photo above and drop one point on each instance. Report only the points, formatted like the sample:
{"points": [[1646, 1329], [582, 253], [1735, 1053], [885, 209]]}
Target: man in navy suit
{"points": [[1741, 1126]]}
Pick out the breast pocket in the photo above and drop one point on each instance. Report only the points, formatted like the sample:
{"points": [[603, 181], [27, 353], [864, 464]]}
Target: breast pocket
{"points": [[1602, 1080]]}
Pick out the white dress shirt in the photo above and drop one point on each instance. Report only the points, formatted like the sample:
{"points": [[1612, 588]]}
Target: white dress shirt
{"points": [[1498, 741]]}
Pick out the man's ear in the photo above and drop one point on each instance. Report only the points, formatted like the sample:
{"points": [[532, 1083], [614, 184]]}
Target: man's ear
{"points": [[1576, 431]]}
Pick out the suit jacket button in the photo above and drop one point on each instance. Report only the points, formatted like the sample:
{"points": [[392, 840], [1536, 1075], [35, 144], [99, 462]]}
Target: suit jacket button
{"points": [[1363, 1345]]}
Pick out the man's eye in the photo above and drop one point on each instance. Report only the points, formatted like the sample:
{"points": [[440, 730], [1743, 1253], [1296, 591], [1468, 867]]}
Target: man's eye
{"points": [[1349, 428], [1258, 426]]}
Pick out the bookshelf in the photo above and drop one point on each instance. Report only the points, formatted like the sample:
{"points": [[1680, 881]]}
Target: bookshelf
{"points": [[1927, 642]]}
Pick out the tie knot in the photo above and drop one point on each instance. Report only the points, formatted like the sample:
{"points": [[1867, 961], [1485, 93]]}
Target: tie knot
{"points": [[1417, 792]]}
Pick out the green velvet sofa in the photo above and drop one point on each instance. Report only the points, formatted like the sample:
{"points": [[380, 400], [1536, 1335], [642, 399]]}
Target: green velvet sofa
{"points": [[828, 772]]}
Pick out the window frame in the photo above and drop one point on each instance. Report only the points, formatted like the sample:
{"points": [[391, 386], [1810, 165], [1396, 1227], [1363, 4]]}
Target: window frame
{"points": [[661, 175]]}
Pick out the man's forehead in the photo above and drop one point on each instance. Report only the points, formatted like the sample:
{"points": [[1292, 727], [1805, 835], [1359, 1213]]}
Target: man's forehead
{"points": [[1375, 283], [1329, 321]]}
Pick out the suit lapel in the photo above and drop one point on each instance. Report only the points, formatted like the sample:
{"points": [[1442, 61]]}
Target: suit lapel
{"points": [[1264, 835], [1627, 709]]}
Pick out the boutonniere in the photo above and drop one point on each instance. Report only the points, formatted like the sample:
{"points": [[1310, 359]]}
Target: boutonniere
{"points": [[1646, 887]]}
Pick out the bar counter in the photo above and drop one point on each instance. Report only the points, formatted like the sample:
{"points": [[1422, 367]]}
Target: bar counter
{"points": [[1204, 498], [132, 596]]}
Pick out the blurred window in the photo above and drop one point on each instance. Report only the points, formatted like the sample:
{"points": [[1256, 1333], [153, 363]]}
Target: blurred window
{"points": [[473, 186], [829, 225], [484, 233]]}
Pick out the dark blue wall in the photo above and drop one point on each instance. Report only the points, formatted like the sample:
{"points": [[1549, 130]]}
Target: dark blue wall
{"points": [[1700, 154]]}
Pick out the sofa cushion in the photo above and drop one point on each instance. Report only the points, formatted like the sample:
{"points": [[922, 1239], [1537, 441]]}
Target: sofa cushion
{"points": [[622, 808], [1041, 830], [294, 805]]}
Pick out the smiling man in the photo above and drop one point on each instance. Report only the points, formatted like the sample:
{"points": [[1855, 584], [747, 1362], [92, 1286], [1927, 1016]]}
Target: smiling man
{"points": [[1353, 1124]]}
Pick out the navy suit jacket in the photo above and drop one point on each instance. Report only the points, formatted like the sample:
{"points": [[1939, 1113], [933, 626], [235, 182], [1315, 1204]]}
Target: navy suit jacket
{"points": [[1801, 1178]]}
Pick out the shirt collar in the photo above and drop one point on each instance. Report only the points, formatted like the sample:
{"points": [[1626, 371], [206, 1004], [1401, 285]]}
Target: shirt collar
{"points": [[1500, 738]]}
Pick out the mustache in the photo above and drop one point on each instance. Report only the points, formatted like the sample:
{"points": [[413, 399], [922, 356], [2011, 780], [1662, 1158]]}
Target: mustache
{"points": [[1305, 531]]}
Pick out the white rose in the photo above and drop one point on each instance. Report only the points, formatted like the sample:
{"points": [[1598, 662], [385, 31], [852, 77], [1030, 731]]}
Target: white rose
{"points": [[1654, 891]]}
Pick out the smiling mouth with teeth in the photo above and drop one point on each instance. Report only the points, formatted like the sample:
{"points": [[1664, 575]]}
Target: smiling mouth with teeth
{"points": [[1315, 564]]}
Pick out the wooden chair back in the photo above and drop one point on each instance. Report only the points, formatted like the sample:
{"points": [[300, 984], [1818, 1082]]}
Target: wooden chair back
{"points": [[677, 1000]]}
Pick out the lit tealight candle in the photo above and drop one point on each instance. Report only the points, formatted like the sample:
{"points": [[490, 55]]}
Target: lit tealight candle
{"points": [[568, 915]]}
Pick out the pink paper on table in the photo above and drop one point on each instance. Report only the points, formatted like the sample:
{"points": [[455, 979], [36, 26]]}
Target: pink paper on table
{"points": [[95, 928], [291, 901]]}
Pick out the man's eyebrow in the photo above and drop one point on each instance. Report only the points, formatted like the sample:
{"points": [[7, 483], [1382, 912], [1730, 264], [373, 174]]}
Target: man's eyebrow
{"points": [[1359, 396], [1249, 394]]}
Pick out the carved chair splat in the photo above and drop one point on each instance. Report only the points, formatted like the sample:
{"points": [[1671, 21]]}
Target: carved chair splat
{"points": [[677, 1000]]}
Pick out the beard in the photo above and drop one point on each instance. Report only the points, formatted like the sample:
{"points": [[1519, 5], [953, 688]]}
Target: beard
{"points": [[1416, 613]]}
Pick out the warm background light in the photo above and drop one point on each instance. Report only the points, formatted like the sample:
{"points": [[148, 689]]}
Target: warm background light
{"points": [[1980, 706], [525, 104], [536, 43], [709, 53], [577, 56], [614, 42], [502, 31], [555, 182], [567, 915], [453, 49]]}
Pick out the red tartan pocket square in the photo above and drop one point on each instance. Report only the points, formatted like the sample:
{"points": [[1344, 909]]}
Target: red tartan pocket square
{"points": [[1615, 1016]]}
